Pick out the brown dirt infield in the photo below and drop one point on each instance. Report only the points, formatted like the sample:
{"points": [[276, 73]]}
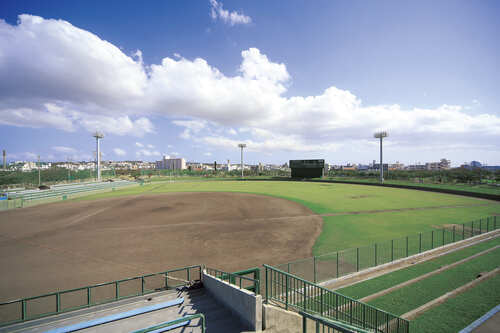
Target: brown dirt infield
{"points": [[72, 244]]}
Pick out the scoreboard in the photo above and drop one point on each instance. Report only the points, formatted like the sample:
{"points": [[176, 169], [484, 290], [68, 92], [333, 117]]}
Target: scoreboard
{"points": [[307, 168]]}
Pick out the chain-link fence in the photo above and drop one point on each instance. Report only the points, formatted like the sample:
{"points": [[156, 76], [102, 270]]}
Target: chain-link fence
{"points": [[336, 264]]}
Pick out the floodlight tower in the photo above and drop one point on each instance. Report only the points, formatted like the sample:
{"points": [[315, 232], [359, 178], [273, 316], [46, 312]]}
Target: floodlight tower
{"points": [[98, 135], [381, 135], [242, 145]]}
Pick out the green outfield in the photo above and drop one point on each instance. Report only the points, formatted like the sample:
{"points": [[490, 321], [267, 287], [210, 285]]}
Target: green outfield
{"points": [[362, 214]]}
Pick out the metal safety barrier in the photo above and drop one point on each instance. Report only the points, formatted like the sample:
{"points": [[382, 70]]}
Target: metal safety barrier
{"points": [[237, 278], [298, 294], [169, 325], [21, 310]]}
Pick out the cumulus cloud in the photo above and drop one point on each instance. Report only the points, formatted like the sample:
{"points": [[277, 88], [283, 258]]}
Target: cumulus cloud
{"points": [[119, 152], [147, 153], [217, 11], [59, 76], [65, 150]]}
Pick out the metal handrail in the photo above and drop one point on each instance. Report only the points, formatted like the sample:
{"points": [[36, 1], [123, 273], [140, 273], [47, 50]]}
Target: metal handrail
{"points": [[175, 322], [302, 295], [23, 302], [231, 278]]}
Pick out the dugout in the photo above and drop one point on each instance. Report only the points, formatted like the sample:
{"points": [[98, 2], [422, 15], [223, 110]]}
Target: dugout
{"points": [[307, 168]]}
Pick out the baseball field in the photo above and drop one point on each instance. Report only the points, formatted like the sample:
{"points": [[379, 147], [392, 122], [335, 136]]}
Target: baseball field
{"points": [[229, 225]]}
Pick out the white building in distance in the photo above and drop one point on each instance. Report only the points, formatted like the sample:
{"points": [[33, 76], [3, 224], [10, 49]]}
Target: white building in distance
{"points": [[171, 163]]}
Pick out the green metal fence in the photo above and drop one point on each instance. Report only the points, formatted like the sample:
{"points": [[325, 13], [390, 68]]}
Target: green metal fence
{"points": [[336, 264], [158, 328], [238, 279], [25, 309], [323, 325], [301, 295]]}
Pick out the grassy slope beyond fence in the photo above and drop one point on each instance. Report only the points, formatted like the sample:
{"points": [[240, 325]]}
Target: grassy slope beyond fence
{"points": [[460, 311], [421, 292], [386, 281]]}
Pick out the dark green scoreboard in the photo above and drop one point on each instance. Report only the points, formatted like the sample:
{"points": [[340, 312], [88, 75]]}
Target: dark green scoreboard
{"points": [[307, 168]]}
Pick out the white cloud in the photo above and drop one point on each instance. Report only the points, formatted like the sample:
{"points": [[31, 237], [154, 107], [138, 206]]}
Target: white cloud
{"points": [[232, 18], [138, 144], [65, 150], [207, 154], [119, 152], [147, 153], [78, 80]]}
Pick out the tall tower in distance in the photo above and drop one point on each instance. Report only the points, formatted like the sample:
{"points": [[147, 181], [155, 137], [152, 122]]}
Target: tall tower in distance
{"points": [[4, 160], [98, 135]]}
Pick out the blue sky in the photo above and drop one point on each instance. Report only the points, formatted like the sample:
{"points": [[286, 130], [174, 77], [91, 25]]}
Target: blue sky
{"points": [[301, 79]]}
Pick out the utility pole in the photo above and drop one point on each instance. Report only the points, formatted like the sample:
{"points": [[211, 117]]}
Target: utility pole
{"points": [[39, 178]]}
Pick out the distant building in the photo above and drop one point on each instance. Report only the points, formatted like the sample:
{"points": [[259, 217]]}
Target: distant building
{"points": [[171, 163], [475, 164]]}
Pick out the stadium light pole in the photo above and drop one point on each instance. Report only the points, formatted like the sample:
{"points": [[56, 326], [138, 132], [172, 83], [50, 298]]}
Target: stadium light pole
{"points": [[98, 135], [381, 135], [242, 145]]}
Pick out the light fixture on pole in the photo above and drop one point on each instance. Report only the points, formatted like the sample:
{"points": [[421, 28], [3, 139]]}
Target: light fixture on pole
{"points": [[381, 135], [98, 135], [242, 145]]}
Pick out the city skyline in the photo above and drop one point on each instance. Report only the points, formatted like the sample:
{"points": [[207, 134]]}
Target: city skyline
{"points": [[302, 81]]}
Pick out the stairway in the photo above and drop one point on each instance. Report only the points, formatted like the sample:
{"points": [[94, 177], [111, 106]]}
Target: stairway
{"points": [[218, 318]]}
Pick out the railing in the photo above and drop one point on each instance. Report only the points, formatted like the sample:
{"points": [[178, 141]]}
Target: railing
{"points": [[27, 198], [25, 309], [177, 323], [301, 295], [237, 278], [320, 324], [336, 264]]}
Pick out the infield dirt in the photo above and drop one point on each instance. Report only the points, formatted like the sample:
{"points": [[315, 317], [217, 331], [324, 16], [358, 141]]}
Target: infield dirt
{"points": [[72, 244]]}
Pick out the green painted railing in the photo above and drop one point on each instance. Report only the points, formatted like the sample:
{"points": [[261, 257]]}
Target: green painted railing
{"points": [[336, 264], [324, 325], [29, 308], [176, 322], [237, 278], [301, 295]]}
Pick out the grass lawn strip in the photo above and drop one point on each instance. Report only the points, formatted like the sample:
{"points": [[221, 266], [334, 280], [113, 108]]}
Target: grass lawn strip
{"points": [[383, 282], [440, 300], [460, 311], [427, 275], [405, 299]]}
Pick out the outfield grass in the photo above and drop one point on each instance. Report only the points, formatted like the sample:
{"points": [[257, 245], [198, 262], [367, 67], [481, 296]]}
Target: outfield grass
{"points": [[411, 297], [351, 230], [386, 281], [460, 311]]}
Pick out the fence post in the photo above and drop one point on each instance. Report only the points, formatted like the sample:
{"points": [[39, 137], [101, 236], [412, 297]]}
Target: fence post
{"points": [[117, 290], [89, 296], [488, 224], [453, 234], [480, 226], [375, 254], [267, 286], [304, 324], [58, 302], [321, 301], [432, 239], [463, 231], [443, 237], [314, 267], [420, 243], [23, 313], [407, 246], [288, 268], [166, 279], [142, 285], [495, 222], [286, 292], [337, 264], [357, 260], [392, 250]]}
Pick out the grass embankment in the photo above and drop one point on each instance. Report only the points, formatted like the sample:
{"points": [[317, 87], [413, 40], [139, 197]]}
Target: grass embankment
{"points": [[482, 188], [383, 282], [351, 230], [421, 292], [460, 311]]}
